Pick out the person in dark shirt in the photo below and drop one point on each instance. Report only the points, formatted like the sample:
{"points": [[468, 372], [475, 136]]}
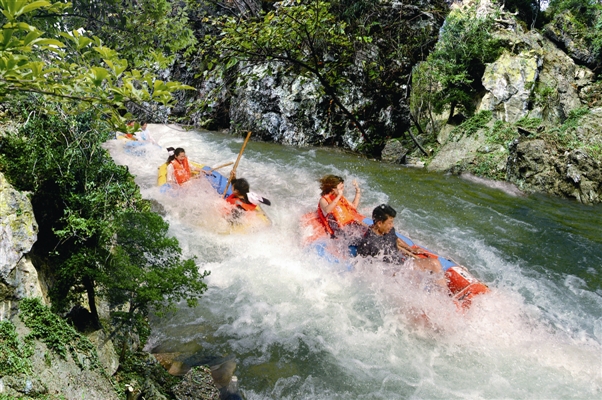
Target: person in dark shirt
{"points": [[382, 241]]}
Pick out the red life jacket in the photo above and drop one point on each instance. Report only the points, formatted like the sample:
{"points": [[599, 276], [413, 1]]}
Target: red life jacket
{"points": [[232, 199], [181, 170], [344, 213]]}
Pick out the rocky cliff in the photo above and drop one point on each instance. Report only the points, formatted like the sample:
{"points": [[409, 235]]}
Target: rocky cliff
{"points": [[536, 90], [533, 82]]}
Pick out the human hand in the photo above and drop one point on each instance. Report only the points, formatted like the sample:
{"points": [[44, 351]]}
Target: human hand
{"points": [[357, 187], [340, 188]]}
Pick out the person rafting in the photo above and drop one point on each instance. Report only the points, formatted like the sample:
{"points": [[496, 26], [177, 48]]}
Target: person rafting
{"points": [[381, 241], [243, 198], [179, 170], [338, 216], [143, 135]]}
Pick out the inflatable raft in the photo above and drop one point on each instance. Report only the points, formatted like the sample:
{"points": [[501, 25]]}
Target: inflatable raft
{"points": [[462, 285], [218, 182]]}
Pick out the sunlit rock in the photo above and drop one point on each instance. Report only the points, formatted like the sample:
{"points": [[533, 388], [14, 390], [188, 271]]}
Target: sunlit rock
{"points": [[509, 82], [18, 233]]}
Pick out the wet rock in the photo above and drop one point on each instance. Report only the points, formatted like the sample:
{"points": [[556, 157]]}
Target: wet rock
{"points": [[394, 152], [197, 384]]}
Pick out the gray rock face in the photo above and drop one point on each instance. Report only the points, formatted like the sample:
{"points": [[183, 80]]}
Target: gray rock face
{"points": [[18, 228], [280, 107], [18, 233], [509, 82], [559, 31], [457, 150], [532, 78], [535, 165], [107, 356], [57, 375]]}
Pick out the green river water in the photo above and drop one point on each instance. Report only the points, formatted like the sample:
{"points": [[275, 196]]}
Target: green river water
{"points": [[300, 327]]}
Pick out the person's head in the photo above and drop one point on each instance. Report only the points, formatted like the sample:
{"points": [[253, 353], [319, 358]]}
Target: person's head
{"points": [[241, 186], [179, 154], [329, 182], [143, 125], [383, 217], [175, 154]]}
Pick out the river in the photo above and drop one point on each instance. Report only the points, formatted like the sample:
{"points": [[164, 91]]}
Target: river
{"points": [[303, 328]]}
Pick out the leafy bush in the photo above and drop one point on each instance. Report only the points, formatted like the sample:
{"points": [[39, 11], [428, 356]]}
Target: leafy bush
{"points": [[82, 201], [452, 74], [585, 18], [59, 336], [471, 125], [14, 353]]}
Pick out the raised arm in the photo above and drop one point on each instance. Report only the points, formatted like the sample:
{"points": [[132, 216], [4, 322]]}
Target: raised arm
{"points": [[358, 194]]}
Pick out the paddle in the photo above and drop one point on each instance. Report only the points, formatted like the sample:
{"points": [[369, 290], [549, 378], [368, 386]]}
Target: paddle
{"points": [[236, 163], [218, 167]]}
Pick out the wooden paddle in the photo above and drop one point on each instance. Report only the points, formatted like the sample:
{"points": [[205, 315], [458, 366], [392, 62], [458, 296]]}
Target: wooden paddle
{"points": [[236, 163], [218, 167]]}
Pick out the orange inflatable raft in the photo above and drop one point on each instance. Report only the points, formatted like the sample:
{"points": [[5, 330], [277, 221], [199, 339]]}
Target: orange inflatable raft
{"points": [[462, 285]]}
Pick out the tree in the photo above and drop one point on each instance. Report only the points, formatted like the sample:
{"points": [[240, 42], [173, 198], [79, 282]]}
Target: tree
{"points": [[136, 28], [451, 77], [70, 66], [304, 37], [146, 270]]}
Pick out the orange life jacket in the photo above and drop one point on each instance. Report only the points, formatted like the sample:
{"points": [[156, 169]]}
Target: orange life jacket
{"points": [[181, 170], [344, 213], [232, 199]]}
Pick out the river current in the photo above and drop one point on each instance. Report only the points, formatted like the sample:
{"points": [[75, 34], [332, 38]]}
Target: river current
{"points": [[303, 328]]}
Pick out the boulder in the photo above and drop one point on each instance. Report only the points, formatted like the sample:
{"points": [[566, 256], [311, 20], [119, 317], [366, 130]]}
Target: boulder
{"points": [[107, 356], [509, 82], [394, 152], [197, 384], [457, 149]]}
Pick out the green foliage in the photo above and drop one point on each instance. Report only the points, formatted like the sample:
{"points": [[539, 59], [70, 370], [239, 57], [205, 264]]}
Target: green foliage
{"points": [[83, 204], [565, 136], [501, 133], [137, 28], [14, 353], [488, 165], [77, 192], [471, 125], [583, 19], [147, 270], [134, 367], [59, 336], [68, 65], [529, 124], [450, 77]]}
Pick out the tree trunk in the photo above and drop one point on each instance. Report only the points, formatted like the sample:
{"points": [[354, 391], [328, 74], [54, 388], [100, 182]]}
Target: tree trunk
{"points": [[89, 286], [417, 125]]}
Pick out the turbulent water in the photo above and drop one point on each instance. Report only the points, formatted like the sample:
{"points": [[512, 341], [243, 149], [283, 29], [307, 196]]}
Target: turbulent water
{"points": [[302, 328]]}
